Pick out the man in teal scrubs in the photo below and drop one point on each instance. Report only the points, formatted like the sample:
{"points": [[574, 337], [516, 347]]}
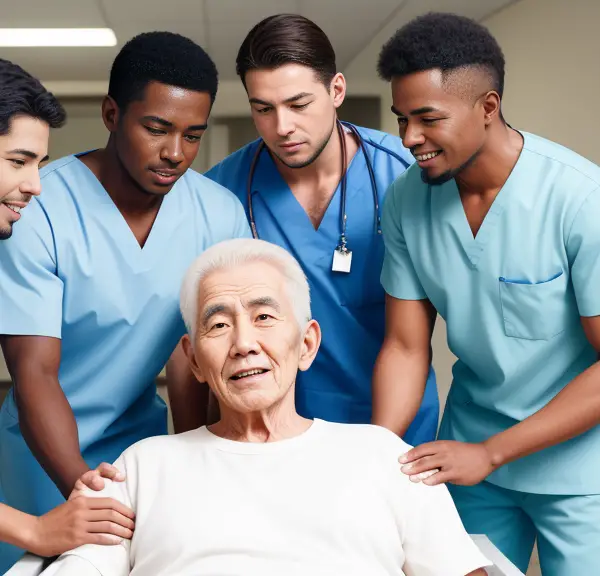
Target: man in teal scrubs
{"points": [[89, 281], [498, 231], [306, 175]]}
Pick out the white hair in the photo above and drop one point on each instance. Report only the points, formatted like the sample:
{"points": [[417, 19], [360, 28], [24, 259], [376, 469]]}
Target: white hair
{"points": [[237, 252]]}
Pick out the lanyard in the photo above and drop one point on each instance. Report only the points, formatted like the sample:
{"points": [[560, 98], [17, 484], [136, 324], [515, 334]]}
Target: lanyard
{"points": [[343, 242]]}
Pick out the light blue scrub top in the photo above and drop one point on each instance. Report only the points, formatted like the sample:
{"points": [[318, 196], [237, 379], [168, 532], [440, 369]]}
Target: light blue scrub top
{"points": [[349, 307], [512, 298], [73, 270]]}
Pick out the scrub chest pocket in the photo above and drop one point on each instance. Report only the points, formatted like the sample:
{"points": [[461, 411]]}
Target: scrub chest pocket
{"points": [[533, 310]]}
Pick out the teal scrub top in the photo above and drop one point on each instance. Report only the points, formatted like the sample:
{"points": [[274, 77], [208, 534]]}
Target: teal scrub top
{"points": [[511, 297], [349, 307], [74, 270]]}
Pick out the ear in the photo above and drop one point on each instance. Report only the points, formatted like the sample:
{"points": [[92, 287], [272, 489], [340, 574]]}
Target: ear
{"points": [[337, 89], [310, 345], [110, 114], [188, 348], [491, 106]]}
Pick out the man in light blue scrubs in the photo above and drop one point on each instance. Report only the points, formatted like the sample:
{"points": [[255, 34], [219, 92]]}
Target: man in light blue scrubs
{"points": [[498, 231], [315, 187], [89, 281]]}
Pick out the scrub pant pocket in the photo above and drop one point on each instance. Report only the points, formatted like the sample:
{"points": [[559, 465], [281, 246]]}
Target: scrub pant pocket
{"points": [[567, 527]]}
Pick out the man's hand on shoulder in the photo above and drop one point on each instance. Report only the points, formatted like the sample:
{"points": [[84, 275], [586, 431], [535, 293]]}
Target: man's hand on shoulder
{"points": [[447, 461], [93, 479]]}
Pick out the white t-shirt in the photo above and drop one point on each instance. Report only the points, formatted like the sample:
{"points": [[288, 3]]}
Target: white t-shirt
{"points": [[331, 501]]}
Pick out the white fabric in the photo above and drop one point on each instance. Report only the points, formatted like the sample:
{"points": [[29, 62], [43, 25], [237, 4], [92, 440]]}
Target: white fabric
{"points": [[331, 501]]}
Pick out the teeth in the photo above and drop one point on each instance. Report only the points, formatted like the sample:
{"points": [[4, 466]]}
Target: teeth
{"points": [[249, 373], [423, 157], [14, 208]]}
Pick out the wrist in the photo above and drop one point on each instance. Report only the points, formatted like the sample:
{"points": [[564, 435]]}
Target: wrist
{"points": [[27, 536], [494, 451]]}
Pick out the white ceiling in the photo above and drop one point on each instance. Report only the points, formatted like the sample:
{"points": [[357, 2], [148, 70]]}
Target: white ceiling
{"points": [[356, 28]]}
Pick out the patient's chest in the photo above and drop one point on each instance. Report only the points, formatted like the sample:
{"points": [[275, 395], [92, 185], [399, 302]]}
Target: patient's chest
{"points": [[230, 514]]}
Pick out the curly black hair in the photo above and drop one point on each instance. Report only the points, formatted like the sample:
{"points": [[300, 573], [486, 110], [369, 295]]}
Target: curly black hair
{"points": [[22, 94], [442, 41], [163, 57]]}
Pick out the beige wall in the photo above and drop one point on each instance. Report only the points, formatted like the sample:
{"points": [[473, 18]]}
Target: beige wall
{"points": [[552, 49]]}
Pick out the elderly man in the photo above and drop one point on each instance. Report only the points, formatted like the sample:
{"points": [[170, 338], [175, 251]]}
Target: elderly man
{"points": [[264, 490]]}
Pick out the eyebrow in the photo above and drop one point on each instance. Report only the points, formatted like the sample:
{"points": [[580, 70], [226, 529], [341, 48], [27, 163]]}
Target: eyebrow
{"points": [[212, 311], [265, 301], [28, 153], [416, 111], [167, 124], [289, 100], [254, 303]]}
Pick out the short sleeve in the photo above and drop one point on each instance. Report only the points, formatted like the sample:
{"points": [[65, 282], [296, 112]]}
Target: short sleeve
{"points": [[31, 293], [109, 560], [398, 276], [435, 540], [242, 228], [583, 251]]}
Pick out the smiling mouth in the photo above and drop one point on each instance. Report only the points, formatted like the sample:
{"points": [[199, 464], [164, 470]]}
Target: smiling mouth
{"points": [[248, 373], [16, 209], [428, 156]]}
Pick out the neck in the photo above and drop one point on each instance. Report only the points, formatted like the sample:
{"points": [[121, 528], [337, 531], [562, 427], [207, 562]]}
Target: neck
{"points": [[496, 160], [326, 166], [123, 190], [277, 422]]}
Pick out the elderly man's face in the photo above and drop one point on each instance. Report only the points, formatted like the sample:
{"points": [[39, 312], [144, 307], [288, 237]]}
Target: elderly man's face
{"points": [[248, 344]]}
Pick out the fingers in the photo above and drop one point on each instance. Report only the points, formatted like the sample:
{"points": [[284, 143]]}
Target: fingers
{"points": [[424, 475], [111, 528], [439, 478], [90, 479], [103, 539], [421, 451], [110, 504], [99, 516], [423, 465], [109, 471]]}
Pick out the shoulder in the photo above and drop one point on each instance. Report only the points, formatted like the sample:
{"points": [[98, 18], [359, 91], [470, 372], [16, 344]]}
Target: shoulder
{"points": [[232, 172], [367, 439], [383, 145], [210, 193], [57, 167], [153, 450], [564, 166]]}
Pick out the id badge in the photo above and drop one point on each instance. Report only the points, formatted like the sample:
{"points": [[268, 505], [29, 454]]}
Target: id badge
{"points": [[342, 261]]}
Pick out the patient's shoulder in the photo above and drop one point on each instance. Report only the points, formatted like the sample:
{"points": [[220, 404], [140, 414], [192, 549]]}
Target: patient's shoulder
{"points": [[367, 439], [155, 447]]}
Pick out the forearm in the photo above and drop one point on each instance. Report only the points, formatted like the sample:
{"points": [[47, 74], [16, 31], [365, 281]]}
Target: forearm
{"points": [[16, 527], [399, 380], [573, 411], [50, 430]]}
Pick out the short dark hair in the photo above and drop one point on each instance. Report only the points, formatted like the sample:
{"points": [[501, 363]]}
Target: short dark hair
{"points": [[22, 94], [163, 57], [442, 41], [287, 39]]}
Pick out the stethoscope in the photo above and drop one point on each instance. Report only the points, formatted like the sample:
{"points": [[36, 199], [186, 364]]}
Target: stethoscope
{"points": [[343, 242]]}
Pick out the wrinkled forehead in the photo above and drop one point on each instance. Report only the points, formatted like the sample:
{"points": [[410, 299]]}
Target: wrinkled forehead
{"points": [[244, 285]]}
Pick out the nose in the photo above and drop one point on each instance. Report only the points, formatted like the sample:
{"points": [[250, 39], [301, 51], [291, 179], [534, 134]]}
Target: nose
{"points": [[244, 338], [411, 135], [172, 151], [285, 126], [32, 185]]}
